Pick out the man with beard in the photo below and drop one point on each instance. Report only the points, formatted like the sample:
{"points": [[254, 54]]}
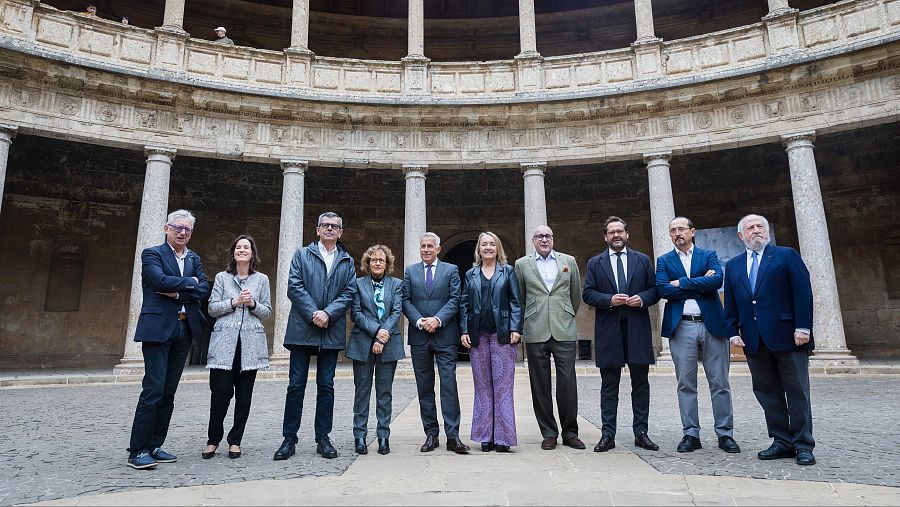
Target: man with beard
{"points": [[689, 277], [621, 286], [769, 311]]}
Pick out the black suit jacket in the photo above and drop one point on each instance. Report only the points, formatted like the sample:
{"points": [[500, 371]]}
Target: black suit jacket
{"points": [[505, 303], [160, 273], [599, 288], [442, 302]]}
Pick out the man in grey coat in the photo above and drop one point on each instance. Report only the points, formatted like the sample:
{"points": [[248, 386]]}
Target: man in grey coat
{"points": [[321, 286]]}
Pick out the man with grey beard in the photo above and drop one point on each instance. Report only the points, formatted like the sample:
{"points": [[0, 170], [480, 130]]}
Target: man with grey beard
{"points": [[769, 312]]}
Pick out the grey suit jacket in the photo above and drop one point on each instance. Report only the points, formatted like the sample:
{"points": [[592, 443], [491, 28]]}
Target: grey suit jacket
{"points": [[549, 312], [240, 321], [366, 322], [442, 302]]}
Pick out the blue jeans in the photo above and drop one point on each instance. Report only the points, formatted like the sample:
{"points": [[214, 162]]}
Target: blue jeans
{"points": [[163, 366], [326, 363]]}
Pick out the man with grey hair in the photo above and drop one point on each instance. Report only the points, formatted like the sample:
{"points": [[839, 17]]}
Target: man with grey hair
{"points": [[174, 284], [769, 312], [431, 293], [321, 285]]}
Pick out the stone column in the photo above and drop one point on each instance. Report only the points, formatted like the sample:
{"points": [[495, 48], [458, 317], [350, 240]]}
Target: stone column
{"points": [[290, 238], [154, 204], [416, 30], [173, 16], [414, 225], [778, 7], [815, 247], [643, 15], [535, 200], [662, 211], [7, 133], [527, 32], [300, 26]]}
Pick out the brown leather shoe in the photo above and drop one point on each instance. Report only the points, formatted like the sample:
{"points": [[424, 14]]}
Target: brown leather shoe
{"points": [[548, 444], [644, 441], [456, 445], [431, 443], [574, 443], [606, 443]]}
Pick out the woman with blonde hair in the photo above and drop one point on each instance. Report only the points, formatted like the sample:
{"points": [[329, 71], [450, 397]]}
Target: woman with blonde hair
{"points": [[490, 326], [375, 343]]}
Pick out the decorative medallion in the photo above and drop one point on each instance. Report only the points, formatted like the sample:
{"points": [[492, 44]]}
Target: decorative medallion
{"points": [[738, 115], [606, 131], [67, 106], [703, 120], [575, 134], [107, 113]]}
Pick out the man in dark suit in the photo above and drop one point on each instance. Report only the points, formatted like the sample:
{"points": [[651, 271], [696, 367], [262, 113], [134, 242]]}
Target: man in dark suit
{"points": [[769, 312], [173, 283], [689, 277], [621, 286], [431, 293]]}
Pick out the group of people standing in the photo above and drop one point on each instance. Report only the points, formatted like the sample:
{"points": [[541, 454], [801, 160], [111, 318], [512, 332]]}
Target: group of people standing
{"points": [[768, 310]]}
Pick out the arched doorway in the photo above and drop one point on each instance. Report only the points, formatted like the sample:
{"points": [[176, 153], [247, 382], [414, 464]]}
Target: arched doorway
{"points": [[461, 255]]}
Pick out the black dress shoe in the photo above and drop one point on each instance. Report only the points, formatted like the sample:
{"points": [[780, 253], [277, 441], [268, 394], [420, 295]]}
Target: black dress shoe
{"points": [[384, 447], [689, 444], [361, 447], [548, 444], [728, 444], [287, 449], [805, 457], [776, 451], [644, 441], [208, 455], [325, 448], [456, 445], [234, 454], [606, 443], [501, 448], [431, 442], [574, 443], [487, 446]]}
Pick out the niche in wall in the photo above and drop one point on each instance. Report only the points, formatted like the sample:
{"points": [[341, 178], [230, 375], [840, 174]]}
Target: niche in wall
{"points": [[65, 279]]}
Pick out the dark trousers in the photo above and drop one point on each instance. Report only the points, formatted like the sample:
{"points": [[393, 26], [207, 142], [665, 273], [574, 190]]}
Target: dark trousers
{"points": [[163, 366], [362, 380], [640, 392], [781, 385], [424, 358], [223, 384], [566, 387], [326, 363]]}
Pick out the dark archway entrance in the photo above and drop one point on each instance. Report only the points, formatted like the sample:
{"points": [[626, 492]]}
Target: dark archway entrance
{"points": [[461, 256]]}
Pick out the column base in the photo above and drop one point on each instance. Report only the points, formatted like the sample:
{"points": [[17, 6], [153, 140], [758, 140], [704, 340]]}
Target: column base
{"points": [[129, 366], [173, 30], [834, 361], [779, 13], [280, 362], [664, 361], [405, 364], [300, 51]]}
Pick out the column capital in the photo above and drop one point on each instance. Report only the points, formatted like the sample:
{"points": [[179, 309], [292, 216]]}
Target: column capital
{"points": [[159, 154], [7, 132], [533, 168], [415, 170], [294, 165], [657, 157], [783, 12], [797, 139]]}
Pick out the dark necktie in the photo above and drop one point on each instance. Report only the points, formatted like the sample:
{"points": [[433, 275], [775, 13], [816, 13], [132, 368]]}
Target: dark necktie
{"points": [[620, 274], [429, 278], [379, 298], [754, 269]]}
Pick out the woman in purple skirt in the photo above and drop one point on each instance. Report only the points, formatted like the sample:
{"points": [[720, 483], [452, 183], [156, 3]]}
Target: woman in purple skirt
{"points": [[490, 326]]}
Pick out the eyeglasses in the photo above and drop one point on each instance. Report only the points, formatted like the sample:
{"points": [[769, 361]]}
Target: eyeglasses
{"points": [[542, 237], [181, 228], [330, 226], [377, 261]]}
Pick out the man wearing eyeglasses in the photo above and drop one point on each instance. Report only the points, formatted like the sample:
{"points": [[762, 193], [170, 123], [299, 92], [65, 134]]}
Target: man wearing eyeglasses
{"points": [[550, 285], [321, 285], [174, 284]]}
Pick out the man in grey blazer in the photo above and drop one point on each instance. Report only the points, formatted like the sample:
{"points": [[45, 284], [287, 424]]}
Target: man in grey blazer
{"points": [[550, 286], [431, 302]]}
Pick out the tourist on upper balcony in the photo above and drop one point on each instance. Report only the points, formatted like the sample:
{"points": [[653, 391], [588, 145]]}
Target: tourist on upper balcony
{"points": [[376, 343], [240, 301], [490, 326], [221, 38], [90, 10], [124, 20]]}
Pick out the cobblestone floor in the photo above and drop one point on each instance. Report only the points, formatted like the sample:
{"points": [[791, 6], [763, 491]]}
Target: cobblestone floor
{"points": [[62, 442], [855, 427]]}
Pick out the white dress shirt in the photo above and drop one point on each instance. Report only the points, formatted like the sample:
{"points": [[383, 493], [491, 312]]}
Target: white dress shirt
{"points": [[433, 274], [613, 262], [547, 267], [180, 262], [328, 257], [690, 305]]}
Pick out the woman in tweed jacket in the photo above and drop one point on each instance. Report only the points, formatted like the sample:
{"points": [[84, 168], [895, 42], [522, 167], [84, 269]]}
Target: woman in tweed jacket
{"points": [[238, 347]]}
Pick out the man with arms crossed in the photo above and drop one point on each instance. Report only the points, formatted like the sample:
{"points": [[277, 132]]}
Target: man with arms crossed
{"points": [[549, 282]]}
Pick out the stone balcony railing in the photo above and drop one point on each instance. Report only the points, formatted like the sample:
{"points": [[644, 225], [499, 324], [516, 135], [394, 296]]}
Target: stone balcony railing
{"points": [[30, 27]]}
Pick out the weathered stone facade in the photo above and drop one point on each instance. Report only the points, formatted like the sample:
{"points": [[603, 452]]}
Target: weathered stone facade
{"points": [[260, 141]]}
